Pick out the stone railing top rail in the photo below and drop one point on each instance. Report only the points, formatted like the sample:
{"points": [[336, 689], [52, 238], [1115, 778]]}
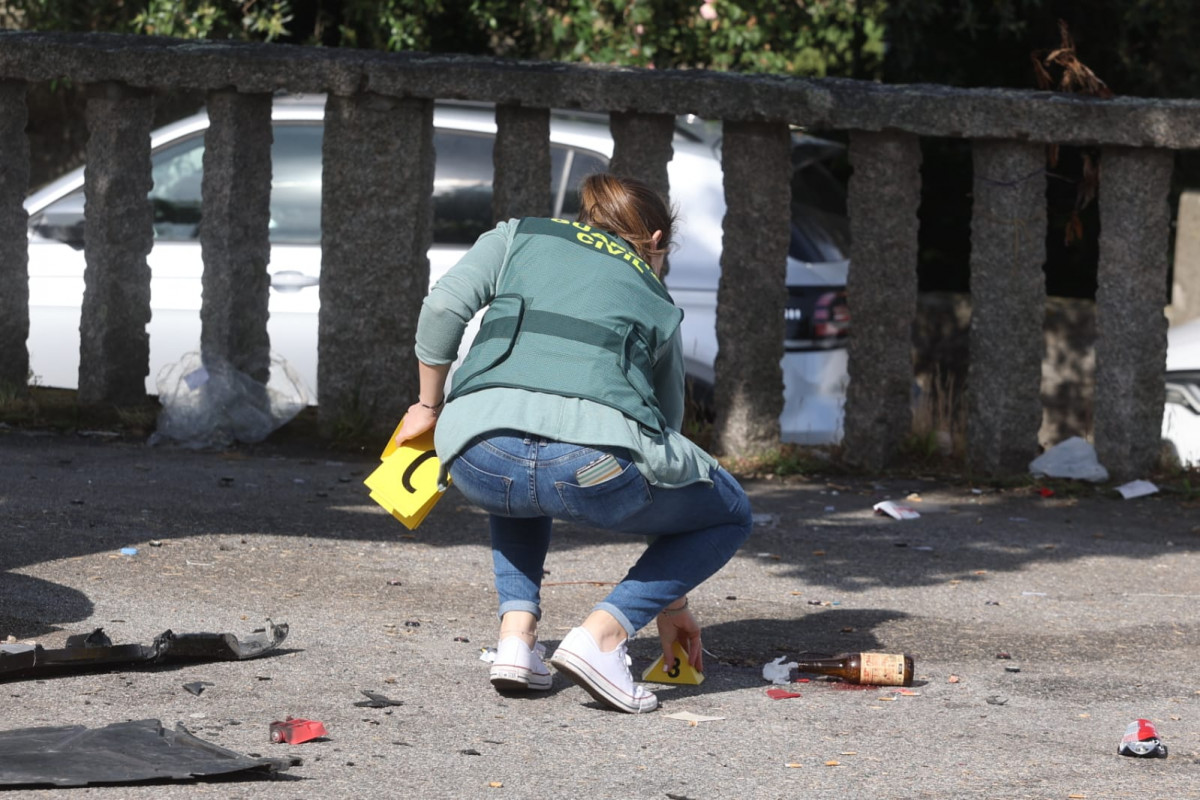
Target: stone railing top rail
{"points": [[925, 110]]}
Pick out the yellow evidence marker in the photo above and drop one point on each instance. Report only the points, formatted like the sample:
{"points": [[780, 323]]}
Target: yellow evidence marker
{"points": [[405, 483], [680, 672]]}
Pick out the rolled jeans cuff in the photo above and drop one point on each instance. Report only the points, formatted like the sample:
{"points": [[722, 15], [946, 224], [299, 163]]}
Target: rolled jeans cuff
{"points": [[520, 605], [619, 616]]}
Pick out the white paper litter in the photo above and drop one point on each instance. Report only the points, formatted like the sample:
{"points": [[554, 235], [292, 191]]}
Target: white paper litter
{"points": [[895, 511], [688, 716], [1137, 488], [777, 672]]}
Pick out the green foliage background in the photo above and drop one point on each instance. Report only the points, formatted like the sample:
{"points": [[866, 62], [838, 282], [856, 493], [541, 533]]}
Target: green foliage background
{"points": [[1139, 47], [805, 37]]}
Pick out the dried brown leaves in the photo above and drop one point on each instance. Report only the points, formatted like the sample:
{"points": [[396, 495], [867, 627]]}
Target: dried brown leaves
{"points": [[1075, 77], [1073, 74]]}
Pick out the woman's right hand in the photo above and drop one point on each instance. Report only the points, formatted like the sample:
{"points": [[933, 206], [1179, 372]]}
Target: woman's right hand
{"points": [[417, 420]]}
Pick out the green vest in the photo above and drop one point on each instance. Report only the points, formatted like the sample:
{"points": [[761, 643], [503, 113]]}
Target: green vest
{"points": [[576, 314]]}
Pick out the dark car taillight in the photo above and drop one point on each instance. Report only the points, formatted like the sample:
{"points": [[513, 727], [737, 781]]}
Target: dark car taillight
{"points": [[816, 318]]}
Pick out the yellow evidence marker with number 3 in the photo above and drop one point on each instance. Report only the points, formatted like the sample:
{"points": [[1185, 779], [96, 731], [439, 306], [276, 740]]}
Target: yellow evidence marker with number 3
{"points": [[680, 672], [406, 482]]}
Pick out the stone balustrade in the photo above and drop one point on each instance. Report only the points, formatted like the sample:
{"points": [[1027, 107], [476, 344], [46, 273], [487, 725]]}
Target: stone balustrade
{"points": [[376, 204]]}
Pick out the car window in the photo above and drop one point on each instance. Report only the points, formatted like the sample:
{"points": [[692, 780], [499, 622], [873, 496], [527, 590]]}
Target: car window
{"points": [[820, 229], [296, 183], [462, 187], [178, 171], [295, 186], [579, 164], [462, 184]]}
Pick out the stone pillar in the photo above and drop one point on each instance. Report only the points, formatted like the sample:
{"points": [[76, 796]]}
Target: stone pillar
{"points": [[234, 236], [884, 193], [756, 159], [521, 163], [376, 230], [642, 148], [114, 347], [1008, 306], [14, 246], [643, 145], [1131, 329]]}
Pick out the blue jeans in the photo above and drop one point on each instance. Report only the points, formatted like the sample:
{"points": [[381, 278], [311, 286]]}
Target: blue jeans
{"points": [[525, 482]]}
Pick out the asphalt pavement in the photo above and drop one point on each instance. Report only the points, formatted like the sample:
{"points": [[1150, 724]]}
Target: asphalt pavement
{"points": [[1040, 628]]}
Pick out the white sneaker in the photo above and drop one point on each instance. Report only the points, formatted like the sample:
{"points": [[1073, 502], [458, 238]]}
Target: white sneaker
{"points": [[605, 676], [518, 667]]}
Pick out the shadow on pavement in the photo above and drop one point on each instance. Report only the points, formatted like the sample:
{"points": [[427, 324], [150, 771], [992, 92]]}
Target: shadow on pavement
{"points": [[25, 603], [68, 497]]}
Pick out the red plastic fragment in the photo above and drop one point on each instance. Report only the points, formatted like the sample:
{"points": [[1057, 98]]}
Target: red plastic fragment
{"points": [[295, 731], [781, 694], [1044, 492]]}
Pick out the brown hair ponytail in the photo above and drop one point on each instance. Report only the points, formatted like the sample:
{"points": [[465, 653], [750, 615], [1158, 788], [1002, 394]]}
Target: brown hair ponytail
{"points": [[628, 208]]}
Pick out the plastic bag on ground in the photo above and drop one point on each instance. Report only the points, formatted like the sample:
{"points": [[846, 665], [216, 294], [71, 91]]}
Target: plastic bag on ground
{"points": [[1072, 458], [208, 403]]}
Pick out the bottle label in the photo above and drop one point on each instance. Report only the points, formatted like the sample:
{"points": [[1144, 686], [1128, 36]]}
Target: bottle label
{"points": [[882, 669]]}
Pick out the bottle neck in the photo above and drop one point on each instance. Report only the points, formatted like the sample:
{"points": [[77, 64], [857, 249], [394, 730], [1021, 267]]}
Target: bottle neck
{"points": [[830, 662]]}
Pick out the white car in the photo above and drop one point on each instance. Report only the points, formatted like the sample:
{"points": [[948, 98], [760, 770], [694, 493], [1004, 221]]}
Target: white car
{"points": [[814, 364], [1181, 415]]}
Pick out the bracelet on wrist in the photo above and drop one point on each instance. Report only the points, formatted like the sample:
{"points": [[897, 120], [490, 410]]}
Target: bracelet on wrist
{"points": [[670, 612], [436, 408]]}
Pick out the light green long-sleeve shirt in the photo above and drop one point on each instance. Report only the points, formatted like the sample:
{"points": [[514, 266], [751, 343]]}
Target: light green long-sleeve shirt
{"points": [[669, 460]]}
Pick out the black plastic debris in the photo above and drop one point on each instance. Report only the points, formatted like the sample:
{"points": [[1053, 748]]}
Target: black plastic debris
{"points": [[96, 651], [376, 700], [124, 752], [197, 687]]}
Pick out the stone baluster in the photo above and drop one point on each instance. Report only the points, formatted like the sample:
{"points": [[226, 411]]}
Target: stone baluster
{"points": [[1131, 329], [748, 391], [376, 229], [14, 246], [521, 159], [1008, 305], [642, 148], [884, 193], [234, 237], [114, 346]]}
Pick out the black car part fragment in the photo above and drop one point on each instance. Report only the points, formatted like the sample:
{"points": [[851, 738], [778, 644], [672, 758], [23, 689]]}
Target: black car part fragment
{"points": [[124, 752], [96, 651]]}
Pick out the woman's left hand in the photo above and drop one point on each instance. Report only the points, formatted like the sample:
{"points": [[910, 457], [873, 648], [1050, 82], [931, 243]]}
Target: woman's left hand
{"points": [[681, 627], [418, 419]]}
